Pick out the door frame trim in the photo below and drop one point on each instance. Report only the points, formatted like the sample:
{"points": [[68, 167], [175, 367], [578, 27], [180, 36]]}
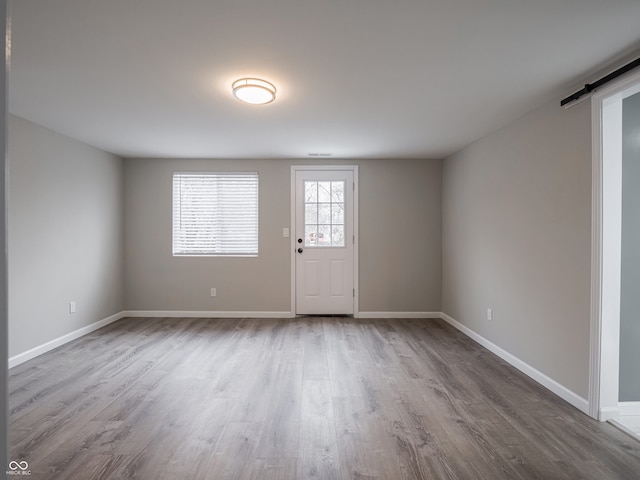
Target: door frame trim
{"points": [[292, 229], [606, 204]]}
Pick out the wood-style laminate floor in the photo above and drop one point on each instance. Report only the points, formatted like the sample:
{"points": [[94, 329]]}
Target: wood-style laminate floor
{"points": [[310, 398]]}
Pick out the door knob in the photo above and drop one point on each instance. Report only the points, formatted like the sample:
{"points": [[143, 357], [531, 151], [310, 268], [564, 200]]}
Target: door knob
{"points": [[299, 250]]}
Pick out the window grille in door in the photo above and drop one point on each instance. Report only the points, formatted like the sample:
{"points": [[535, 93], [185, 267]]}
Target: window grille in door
{"points": [[324, 213]]}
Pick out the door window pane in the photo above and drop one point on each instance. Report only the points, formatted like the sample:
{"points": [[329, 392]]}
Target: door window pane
{"points": [[324, 213], [324, 235], [311, 214], [311, 192], [337, 192], [310, 235], [337, 214], [337, 234], [324, 191]]}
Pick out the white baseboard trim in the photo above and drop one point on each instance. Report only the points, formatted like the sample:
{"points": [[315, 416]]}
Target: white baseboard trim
{"points": [[203, 314], [55, 343], [560, 390], [623, 409], [629, 408], [236, 314], [608, 413], [399, 315], [44, 348]]}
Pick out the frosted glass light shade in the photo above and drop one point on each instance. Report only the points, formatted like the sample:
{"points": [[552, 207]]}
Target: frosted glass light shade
{"points": [[254, 91]]}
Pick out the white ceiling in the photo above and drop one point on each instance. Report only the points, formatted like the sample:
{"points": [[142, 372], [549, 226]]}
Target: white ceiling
{"points": [[355, 78]]}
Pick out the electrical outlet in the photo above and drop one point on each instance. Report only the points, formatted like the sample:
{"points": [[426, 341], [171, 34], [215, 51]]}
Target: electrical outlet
{"points": [[72, 307], [214, 292], [490, 314]]}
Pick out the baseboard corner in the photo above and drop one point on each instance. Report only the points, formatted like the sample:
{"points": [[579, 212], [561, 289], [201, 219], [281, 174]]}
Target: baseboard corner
{"points": [[57, 342]]}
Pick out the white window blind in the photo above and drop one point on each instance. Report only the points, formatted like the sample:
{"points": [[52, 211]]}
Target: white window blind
{"points": [[215, 214]]}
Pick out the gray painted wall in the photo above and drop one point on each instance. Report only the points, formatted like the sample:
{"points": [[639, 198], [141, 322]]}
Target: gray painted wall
{"points": [[4, 441], [630, 272], [516, 238], [65, 235], [400, 240]]}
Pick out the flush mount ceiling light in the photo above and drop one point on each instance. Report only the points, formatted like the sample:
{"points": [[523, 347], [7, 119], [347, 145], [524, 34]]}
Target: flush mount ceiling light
{"points": [[254, 91]]}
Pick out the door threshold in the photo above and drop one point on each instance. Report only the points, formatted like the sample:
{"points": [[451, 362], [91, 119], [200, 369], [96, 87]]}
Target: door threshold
{"points": [[630, 425]]}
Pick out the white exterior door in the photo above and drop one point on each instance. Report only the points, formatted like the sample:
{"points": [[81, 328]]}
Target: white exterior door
{"points": [[324, 240]]}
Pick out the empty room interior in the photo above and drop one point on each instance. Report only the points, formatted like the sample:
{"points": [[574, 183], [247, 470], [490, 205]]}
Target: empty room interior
{"points": [[292, 239]]}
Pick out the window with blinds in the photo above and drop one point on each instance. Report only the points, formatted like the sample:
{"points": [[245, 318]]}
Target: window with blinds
{"points": [[215, 214]]}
